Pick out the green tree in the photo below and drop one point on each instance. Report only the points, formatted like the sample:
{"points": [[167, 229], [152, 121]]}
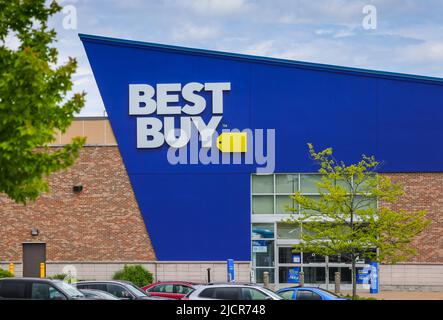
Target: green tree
{"points": [[34, 101], [346, 218]]}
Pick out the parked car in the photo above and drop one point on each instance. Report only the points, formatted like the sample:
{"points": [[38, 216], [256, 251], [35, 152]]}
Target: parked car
{"points": [[121, 289], [38, 289], [307, 293], [92, 294], [231, 291], [169, 289]]}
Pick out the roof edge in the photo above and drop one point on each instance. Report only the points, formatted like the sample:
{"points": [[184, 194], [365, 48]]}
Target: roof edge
{"points": [[252, 58]]}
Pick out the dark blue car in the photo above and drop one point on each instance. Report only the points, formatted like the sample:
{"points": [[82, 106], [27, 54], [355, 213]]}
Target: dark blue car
{"points": [[307, 293]]}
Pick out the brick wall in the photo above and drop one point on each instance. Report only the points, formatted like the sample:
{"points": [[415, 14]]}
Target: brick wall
{"points": [[102, 223], [424, 191]]}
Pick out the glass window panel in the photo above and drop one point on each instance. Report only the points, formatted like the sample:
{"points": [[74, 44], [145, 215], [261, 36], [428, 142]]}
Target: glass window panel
{"points": [[312, 258], [288, 231], [263, 204], [343, 184], [284, 204], [315, 275], [345, 273], [315, 198], [259, 274], [286, 183], [363, 186], [308, 183], [340, 258], [263, 253], [286, 255], [365, 203], [262, 230], [289, 274], [262, 184]]}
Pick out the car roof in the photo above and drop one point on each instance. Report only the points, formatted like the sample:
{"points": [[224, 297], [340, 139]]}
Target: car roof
{"points": [[301, 287], [227, 284], [28, 279], [174, 282], [104, 281]]}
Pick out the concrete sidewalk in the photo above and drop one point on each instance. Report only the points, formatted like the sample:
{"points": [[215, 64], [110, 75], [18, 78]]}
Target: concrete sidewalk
{"points": [[402, 295]]}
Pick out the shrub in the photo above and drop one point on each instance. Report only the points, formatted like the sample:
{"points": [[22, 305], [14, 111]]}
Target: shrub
{"points": [[58, 276], [5, 274], [136, 274]]}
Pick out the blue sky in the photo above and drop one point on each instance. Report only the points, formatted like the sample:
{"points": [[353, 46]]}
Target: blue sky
{"points": [[408, 37]]}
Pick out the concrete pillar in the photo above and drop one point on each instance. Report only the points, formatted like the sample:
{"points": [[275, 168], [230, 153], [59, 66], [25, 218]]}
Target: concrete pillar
{"points": [[337, 278], [266, 279], [302, 278]]}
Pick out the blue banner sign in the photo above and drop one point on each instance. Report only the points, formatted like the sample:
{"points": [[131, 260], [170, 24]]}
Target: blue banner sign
{"points": [[231, 270], [374, 278], [296, 258], [294, 275], [363, 275]]}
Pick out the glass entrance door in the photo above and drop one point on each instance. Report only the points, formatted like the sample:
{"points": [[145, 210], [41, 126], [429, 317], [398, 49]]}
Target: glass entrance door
{"points": [[290, 264]]}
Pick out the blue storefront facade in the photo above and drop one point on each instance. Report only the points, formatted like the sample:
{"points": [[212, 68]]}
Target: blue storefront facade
{"points": [[230, 207]]}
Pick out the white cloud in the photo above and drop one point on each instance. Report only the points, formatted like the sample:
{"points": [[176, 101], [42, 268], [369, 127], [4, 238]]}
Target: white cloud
{"points": [[194, 32], [214, 7]]}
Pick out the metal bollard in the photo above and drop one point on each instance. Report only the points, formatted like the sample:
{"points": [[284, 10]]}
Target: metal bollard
{"points": [[266, 279], [302, 278], [337, 278], [11, 268], [42, 270]]}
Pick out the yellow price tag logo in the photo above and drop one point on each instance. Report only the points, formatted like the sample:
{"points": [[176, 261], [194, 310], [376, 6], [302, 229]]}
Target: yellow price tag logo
{"points": [[232, 142]]}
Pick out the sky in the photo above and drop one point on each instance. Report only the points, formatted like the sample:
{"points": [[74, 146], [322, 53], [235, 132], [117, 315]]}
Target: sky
{"points": [[405, 37]]}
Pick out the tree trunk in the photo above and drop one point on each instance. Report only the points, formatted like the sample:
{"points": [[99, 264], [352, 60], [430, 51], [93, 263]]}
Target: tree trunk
{"points": [[354, 279]]}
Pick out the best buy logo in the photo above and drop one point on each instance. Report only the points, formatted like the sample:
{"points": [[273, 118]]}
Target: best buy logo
{"points": [[152, 132]]}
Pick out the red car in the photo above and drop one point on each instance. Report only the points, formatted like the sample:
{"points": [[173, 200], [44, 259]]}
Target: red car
{"points": [[169, 289]]}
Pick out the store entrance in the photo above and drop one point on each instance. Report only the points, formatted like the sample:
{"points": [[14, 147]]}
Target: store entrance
{"points": [[318, 270]]}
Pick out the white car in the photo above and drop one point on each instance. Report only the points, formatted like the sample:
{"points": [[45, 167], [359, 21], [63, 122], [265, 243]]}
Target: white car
{"points": [[231, 291]]}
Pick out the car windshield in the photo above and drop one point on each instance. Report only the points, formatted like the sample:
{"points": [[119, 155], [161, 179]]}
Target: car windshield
{"points": [[69, 289], [271, 293], [135, 290]]}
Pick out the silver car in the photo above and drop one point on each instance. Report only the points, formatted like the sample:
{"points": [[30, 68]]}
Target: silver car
{"points": [[231, 291]]}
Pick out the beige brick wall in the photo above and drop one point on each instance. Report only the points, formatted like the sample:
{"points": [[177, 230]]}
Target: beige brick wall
{"points": [[162, 271], [412, 277]]}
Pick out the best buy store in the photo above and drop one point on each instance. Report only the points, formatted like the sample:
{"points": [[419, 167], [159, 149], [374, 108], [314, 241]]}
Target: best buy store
{"points": [[165, 193]]}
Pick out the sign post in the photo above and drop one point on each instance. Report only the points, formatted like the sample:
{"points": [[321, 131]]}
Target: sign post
{"points": [[230, 270]]}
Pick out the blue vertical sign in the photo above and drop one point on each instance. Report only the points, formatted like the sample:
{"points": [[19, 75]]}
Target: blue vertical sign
{"points": [[374, 277], [231, 270]]}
